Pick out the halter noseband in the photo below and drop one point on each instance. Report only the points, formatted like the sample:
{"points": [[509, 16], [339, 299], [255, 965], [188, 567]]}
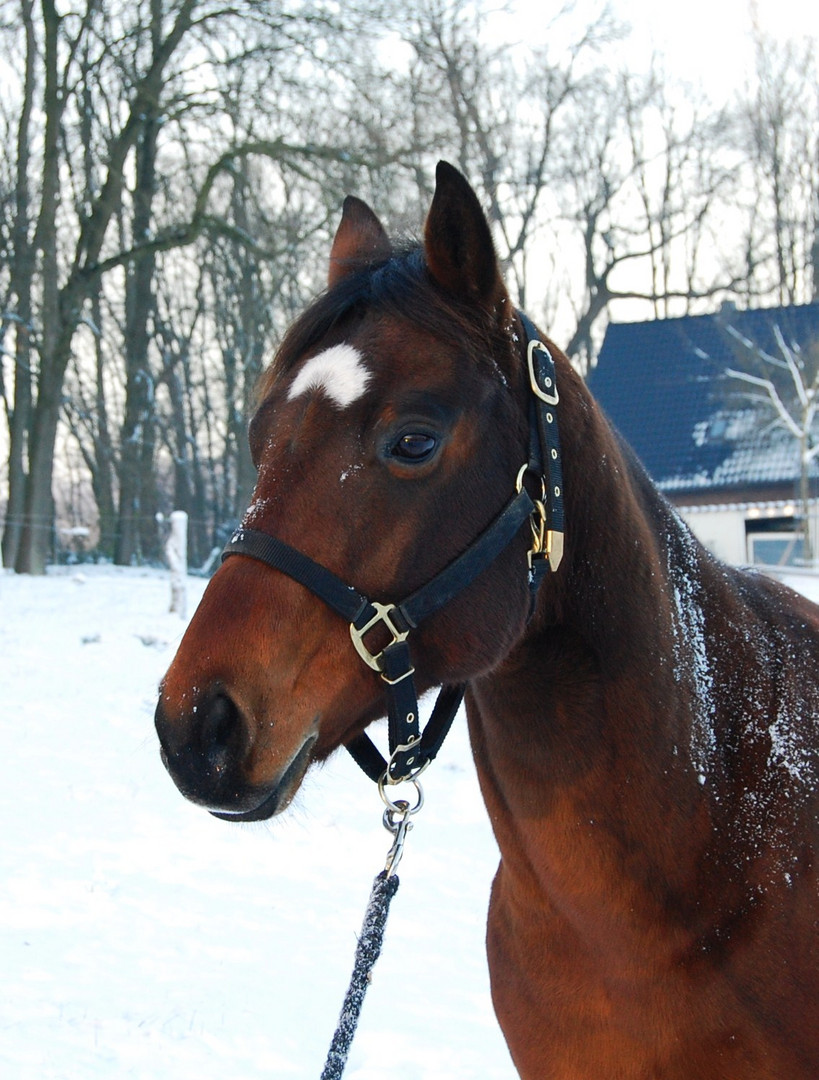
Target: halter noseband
{"points": [[411, 750]]}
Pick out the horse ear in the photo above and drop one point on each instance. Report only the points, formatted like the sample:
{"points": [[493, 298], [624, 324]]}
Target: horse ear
{"points": [[458, 244], [359, 240]]}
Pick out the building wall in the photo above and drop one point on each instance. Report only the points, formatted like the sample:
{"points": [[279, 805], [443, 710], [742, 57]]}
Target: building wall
{"points": [[724, 529], [721, 530]]}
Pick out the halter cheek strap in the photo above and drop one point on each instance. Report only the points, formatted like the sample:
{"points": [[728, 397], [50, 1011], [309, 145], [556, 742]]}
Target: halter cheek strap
{"points": [[544, 454], [411, 750]]}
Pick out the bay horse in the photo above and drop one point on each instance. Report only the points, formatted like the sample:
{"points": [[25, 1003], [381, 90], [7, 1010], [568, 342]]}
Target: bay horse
{"points": [[644, 723]]}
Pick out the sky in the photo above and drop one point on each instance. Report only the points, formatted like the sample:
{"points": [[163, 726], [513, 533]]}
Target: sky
{"points": [[705, 45], [712, 38], [706, 41]]}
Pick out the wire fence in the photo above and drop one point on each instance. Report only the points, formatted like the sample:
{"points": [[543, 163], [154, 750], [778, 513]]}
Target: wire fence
{"points": [[75, 543]]}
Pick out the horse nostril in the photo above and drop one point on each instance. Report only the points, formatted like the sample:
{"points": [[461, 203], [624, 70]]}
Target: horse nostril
{"points": [[205, 750], [222, 732]]}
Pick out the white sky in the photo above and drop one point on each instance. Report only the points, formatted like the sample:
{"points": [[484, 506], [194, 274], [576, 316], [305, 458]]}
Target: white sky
{"points": [[706, 41], [701, 43], [712, 38]]}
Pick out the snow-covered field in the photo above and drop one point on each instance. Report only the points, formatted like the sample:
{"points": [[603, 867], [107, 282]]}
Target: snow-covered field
{"points": [[142, 938]]}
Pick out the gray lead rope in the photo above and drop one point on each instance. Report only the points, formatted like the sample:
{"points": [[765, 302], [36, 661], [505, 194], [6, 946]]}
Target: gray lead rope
{"points": [[367, 952], [396, 820]]}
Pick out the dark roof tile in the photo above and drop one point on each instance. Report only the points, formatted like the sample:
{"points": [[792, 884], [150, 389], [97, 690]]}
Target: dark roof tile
{"points": [[663, 385]]}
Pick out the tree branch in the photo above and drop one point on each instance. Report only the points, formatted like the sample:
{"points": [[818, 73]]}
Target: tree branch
{"points": [[200, 221], [773, 397]]}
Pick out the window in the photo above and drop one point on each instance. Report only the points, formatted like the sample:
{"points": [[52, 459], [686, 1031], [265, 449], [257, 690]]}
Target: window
{"points": [[775, 541]]}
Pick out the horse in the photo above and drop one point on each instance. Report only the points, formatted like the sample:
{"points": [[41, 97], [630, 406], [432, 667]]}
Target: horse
{"points": [[643, 718]]}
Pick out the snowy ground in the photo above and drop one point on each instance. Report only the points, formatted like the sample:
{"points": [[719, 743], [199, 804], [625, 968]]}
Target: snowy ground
{"points": [[141, 938]]}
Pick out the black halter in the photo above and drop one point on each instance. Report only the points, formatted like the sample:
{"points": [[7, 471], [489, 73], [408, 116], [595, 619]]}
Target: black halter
{"points": [[410, 748]]}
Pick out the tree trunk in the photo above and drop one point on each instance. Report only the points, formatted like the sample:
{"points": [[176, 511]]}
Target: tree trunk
{"points": [[62, 307], [804, 495], [38, 524], [22, 279], [136, 533], [102, 472], [38, 512]]}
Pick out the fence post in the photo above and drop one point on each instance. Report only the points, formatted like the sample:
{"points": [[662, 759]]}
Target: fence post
{"points": [[176, 552]]}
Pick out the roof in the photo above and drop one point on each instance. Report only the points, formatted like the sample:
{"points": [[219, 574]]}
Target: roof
{"points": [[664, 386]]}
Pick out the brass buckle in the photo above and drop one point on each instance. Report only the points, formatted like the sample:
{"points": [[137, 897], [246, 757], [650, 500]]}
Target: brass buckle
{"points": [[550, 399], [541, 537], [538, 524], [382, 615], [548, 542]]}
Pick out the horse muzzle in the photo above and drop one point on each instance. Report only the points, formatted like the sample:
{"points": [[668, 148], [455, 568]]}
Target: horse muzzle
{"points": [[208, 751]]}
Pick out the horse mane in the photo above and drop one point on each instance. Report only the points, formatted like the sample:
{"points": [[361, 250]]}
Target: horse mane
{"points": [[400, 287]]}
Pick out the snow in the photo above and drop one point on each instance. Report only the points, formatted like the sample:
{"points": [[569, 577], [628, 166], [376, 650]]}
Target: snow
{"points": [[801, 581], [690, 647], [142, 938]]}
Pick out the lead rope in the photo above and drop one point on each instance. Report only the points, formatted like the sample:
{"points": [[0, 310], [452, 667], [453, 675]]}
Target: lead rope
{"points": [[396, 820]]}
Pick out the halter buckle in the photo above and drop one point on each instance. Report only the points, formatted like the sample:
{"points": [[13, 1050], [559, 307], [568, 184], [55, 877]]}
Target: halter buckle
{"points": [[538, 525], [551, 398], [383, 613]]}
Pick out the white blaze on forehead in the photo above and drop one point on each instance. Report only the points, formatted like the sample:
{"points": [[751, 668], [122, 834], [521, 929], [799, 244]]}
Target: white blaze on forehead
{"points": [[339, 371]]}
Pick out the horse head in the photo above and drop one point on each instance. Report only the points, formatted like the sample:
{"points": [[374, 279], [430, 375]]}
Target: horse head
{"points": [[390, 430]]}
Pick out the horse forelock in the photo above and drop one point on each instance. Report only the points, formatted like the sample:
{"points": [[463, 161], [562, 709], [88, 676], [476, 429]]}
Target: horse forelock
{"points": [[399, 287]]}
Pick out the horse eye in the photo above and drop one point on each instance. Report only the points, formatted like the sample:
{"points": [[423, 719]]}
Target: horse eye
{"points": [[414, 447]]}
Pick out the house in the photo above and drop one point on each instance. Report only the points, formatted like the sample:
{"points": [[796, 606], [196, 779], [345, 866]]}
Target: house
{"points": [[711, 442]]}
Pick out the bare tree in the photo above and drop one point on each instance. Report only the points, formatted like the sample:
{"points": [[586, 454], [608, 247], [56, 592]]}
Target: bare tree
{"points": [[780, 131], [128, 67], [67, 277], [785, 386], [601, 186], [644, 179], [19, 310], [177, 171], [502, 121]]}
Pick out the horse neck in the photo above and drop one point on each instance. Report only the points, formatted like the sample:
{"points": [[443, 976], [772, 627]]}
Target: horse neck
{"points": [[631, 564], [583, 723]]}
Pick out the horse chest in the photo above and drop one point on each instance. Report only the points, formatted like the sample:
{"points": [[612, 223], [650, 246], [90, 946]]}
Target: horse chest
{"points": [[571, 1009], [619, 954]]}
